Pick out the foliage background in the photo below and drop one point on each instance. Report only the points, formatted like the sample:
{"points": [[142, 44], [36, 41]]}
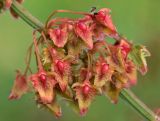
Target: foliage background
{"points": [[139, 20]]}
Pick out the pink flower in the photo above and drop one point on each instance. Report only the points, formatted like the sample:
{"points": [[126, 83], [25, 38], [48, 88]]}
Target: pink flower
{"points": [[124, 46], [131, 73], [103, 16], [59, 35], [85, 93], [20, 86], [103, 72], [62, 73], [85, 33], [44, 85]]}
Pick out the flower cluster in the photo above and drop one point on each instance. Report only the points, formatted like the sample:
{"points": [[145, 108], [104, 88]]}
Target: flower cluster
{"points": [[76, 62], [6, 4]]}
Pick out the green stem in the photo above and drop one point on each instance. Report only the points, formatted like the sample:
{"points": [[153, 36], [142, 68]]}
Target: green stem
{"points": [[138, 105], [125, 94], [26, 16]]}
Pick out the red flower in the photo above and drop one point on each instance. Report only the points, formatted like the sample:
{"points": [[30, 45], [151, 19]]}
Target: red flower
{"points": [[103, 72], [85, 33], [44, 85], [116, 59], [62, 73], [59, 35], [85, 93], [103, 16], [131, 73], [20, 86], [124, 46]]}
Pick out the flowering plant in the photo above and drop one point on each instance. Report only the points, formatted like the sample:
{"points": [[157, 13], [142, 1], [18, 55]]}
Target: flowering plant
{"points": [[76, 62]]}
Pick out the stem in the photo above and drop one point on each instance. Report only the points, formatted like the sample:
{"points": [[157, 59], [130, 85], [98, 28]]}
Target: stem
{"points": [[139, 106], [125, 94], [26, 16]]}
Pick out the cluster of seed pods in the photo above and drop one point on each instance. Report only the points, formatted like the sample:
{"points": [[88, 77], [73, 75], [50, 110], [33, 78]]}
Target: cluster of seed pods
{"points": [[76, 63]]}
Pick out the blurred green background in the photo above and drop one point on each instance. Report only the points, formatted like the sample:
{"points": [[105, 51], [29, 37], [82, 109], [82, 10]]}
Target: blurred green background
{"points": [[138, 20]]}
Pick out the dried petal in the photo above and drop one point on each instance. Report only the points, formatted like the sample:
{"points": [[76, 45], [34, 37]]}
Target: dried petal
{"points": [[116, 59], [85, 93], [103, 16], [44, 86], [55, 108], [138, 54], [103, 73], [75, 47], [20, 86], [62, 73], [131, 72], [120, 80], [111, 91], [85, 33], [124, 46], [59, 36]]}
